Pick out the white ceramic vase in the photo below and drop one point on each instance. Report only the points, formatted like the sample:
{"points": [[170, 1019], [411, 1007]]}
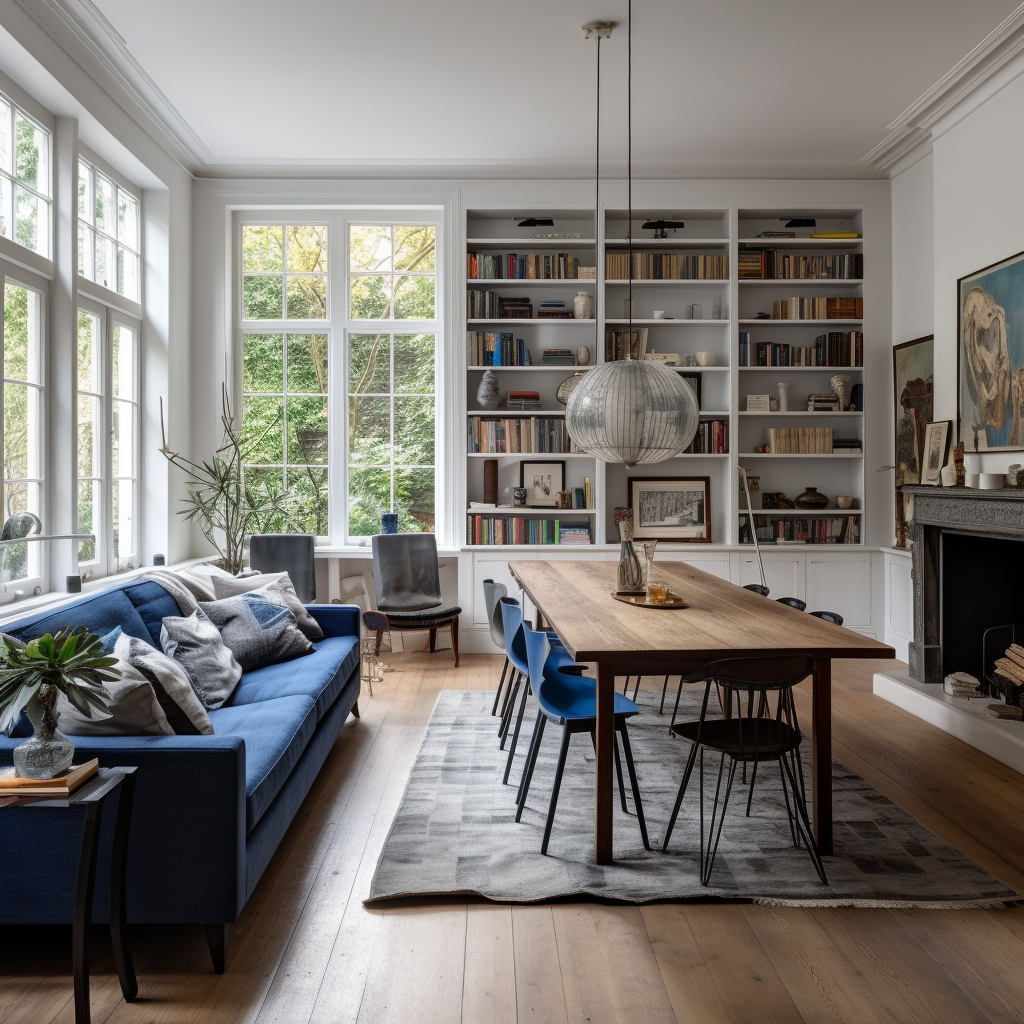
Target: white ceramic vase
{"points": [[582, 306], [783, 396]]}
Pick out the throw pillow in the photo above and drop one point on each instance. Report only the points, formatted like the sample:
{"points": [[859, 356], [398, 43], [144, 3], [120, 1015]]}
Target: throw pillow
{"points": [[195, 643], [271, 583], [257, 628], [174, 691]]}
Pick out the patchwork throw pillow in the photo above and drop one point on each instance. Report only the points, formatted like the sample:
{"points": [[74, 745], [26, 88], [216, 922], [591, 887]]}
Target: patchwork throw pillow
{"points": [[257, 629], [270, 583], [195, 643]]}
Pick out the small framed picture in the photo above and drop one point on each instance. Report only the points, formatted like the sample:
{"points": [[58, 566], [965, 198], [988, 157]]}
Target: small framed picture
{"points": [[671, 508], [758, 403], [936, 451], [542, 481], [693, 381]]}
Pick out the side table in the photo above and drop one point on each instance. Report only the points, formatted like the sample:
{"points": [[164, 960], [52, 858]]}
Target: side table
{"points": [[92, 795]]}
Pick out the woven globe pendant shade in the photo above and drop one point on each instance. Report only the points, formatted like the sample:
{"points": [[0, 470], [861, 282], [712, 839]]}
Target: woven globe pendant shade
{"points": [[632, 411]]}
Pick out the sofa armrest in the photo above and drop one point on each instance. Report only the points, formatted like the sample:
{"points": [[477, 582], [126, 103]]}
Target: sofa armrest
{"points": [[336, 619]]}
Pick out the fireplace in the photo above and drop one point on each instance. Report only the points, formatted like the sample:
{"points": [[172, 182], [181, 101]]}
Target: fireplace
{"points": [[968, 571]]}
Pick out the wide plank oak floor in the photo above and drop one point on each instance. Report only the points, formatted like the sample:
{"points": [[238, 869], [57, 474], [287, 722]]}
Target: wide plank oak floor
{"points": [[306, 949]]}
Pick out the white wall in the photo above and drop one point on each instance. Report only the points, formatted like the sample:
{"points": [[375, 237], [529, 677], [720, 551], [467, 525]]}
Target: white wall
{"points": [[913, 237]]}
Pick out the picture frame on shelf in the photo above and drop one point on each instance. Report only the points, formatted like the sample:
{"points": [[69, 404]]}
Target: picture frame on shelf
{"points": [[542, 481], [936, 451], [671, 508], [913, 366], [692, 380], [990, 357], [758, 403]]}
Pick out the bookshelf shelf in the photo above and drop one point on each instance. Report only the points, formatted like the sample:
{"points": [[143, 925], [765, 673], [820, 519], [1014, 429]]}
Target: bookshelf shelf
{"points": [[532, 369], [801, 369], [802, 513], [506, 413], [788, 244], [820, 455], [743, 412], [529, 455], [553, 322], [801, 282], [667, 321], [665, 243], [654, 282], [519, 282], [529, 243], [556, 513], [800, 323]]}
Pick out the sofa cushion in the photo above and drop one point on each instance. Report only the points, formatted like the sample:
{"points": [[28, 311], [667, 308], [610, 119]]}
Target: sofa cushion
{"points": [[275, 733], [153, 604], [196, 644], [321, 675], [276, 583], [257, 629], [99, 613]]}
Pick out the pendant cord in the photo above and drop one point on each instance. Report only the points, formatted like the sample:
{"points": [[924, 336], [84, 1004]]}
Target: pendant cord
{"points": [[629, 157], [597, 194]]}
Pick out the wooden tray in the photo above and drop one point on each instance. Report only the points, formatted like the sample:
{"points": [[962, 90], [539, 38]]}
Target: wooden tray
{"points": [[640, 600]]}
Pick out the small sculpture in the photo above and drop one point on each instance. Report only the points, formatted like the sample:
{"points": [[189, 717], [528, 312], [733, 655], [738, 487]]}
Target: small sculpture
{"points": [[840, 386], [488, 395], [583, 356], [582, 306], [958, 461]]}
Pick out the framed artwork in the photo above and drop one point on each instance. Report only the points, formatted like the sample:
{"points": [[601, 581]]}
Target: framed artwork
{"points": [[990, 357], [542, 481], [671, 508], [936, 451], [913, 364], [693, 381]]}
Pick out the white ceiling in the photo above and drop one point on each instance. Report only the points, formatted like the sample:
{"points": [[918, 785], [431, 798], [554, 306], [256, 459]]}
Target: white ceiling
{"points": [[457, 85]]}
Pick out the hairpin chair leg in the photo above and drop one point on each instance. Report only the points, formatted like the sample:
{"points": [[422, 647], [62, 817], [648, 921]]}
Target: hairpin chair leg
{"points": [[804, 825], [501, 685], [625, 686], [636, 689], [713, 850], [634, 784], [682, 792], [664, 690]]}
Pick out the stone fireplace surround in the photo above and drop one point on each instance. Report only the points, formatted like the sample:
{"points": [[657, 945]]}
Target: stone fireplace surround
{"points": [[968, 574]]}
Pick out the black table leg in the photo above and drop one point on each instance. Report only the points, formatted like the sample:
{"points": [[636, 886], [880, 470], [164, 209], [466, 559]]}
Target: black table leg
{"points": [[118, 887], [83, 909]]}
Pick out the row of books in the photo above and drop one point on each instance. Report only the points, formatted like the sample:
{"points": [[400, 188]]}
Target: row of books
{"points": [[667, 266], [518, 435], [523, 400], [496, 348], [819, 307], [488, 266], [492, 306], [770, 265], [837, 348], [849, 445], [712, 438], [575, 497], [489, 529], [816, 530], [558, 357], [800, 440], [623, 344]]}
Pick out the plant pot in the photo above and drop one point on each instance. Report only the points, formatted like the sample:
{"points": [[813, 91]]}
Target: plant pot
{"points": [[48, 753]]}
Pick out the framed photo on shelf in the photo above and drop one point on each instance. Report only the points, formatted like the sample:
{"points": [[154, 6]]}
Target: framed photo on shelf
{"points": [[936, 451], [912, 374], [671, 508], [990, 357], [542, 481], [693, 381]]}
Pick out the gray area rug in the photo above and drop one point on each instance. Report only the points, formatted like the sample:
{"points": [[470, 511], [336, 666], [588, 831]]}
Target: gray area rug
{"points": [[455, 832]]}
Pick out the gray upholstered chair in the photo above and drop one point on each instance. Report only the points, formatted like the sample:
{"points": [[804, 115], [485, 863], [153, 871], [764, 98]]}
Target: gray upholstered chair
{"points": [[408, 584], [493, 593], [286, 552]]}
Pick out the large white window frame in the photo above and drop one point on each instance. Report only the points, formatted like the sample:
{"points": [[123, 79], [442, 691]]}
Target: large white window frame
{"points": [[338, 326], [14, 188], [118, 235]]}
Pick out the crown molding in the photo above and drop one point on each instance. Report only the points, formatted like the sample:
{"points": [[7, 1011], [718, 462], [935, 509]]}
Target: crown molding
{"points": [[993, 63], [81, 31]]}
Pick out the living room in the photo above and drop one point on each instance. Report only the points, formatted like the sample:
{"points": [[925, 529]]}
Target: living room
{"points": [[389, 298]]}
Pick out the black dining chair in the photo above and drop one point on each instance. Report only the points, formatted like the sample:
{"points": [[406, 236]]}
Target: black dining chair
{"points": [[287, 552], [757, 588], [792, 602], [829, 617], [758, 734]]}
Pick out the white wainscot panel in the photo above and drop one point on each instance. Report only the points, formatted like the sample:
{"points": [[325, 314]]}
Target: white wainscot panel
{"points": [[899, 594], [840, 582], [716, 565], [784, 572]]}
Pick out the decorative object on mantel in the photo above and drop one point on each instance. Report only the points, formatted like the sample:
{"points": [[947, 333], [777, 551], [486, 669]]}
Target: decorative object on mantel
{"points": [[913, 369], [488, 395], [630, 577], [963, 685], [990, 381], [936, 451], [811, 498], [948, 475], [1014, 476], [73, 663]]}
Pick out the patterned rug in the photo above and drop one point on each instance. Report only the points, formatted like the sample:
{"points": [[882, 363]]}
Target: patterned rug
{"points": [[455, 832]]}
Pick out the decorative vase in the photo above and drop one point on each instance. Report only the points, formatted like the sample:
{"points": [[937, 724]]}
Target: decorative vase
{"points": [[487, 395], [811, 499], [48, 753], [630, 576], [583, 356], [389, 522], [840, 386], [582, 306], [648, 546], [783, 396]]}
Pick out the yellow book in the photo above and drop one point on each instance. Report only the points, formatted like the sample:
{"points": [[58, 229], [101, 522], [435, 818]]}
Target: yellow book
{"points": [[835, 234]]}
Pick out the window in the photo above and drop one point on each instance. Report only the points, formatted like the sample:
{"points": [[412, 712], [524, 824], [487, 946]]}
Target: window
{"points": [[23, 423], [24, 179], [108, 232], [367, 320], [108, 465]]}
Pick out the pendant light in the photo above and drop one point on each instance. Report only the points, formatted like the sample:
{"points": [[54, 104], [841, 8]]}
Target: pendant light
{"points": [[630, 411]]}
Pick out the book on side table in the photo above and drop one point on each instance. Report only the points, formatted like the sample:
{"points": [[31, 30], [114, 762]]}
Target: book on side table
{"points": [[65, 785]]}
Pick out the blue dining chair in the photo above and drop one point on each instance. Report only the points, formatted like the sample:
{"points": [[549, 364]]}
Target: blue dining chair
{"points": [[493, 592], [571, 701]]}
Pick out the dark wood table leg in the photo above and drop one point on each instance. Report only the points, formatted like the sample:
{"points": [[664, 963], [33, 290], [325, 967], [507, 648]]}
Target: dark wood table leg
{"points": [[83, 909], [604, 743], [118, 888], [821, 745]]}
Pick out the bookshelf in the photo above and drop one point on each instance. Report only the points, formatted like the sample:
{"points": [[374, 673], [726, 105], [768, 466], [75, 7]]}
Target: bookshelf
{"points": [[703, 311]]}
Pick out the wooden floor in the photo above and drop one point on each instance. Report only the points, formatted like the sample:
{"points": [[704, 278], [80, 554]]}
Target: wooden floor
{"points": [[307, 950]]}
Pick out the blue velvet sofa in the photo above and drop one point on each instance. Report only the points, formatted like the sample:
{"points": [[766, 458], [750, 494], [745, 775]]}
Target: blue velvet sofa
{"points": [[209, 810]]}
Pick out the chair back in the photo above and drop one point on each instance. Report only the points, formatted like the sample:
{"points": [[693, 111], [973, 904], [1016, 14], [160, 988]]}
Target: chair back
{"points": [[774, 672], [537, 649], [493, 592], [515, 642], [793, 602], [286, 552], [405, 572], [757, 588], [829, 617]]}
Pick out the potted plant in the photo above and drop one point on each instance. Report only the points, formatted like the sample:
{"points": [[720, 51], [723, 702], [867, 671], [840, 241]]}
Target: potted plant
{"points": [[33, 675]]}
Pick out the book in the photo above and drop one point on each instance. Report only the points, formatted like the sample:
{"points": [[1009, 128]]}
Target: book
{"points": [[65, 785]]}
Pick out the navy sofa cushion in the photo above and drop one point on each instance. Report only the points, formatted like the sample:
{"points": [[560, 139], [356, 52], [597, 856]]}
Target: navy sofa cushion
{"points": [[152, 603], [99, 612], [275, 734], [320, 675]]}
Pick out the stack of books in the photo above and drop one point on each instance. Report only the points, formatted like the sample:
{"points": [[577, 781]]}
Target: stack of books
{"points": [[771, 265], [800, 440], [818, 307], [492, 306], [554, 310], [848, 445], [60, 788], [558, 357], [573, 497], [523, 400]]}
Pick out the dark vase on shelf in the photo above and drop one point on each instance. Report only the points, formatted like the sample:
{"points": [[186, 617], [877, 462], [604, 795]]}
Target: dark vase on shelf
{"points": [[811, 499]]}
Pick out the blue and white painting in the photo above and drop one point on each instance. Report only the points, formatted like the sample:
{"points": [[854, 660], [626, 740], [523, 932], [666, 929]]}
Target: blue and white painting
{"points": [[991, 384]]}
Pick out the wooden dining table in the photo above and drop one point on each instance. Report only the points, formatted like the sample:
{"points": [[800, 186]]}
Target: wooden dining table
{"points": [[719, 620]]}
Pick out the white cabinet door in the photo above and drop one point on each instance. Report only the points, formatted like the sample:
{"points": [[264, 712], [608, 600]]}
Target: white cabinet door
{"points": [[784, 572], [840, 582]]}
